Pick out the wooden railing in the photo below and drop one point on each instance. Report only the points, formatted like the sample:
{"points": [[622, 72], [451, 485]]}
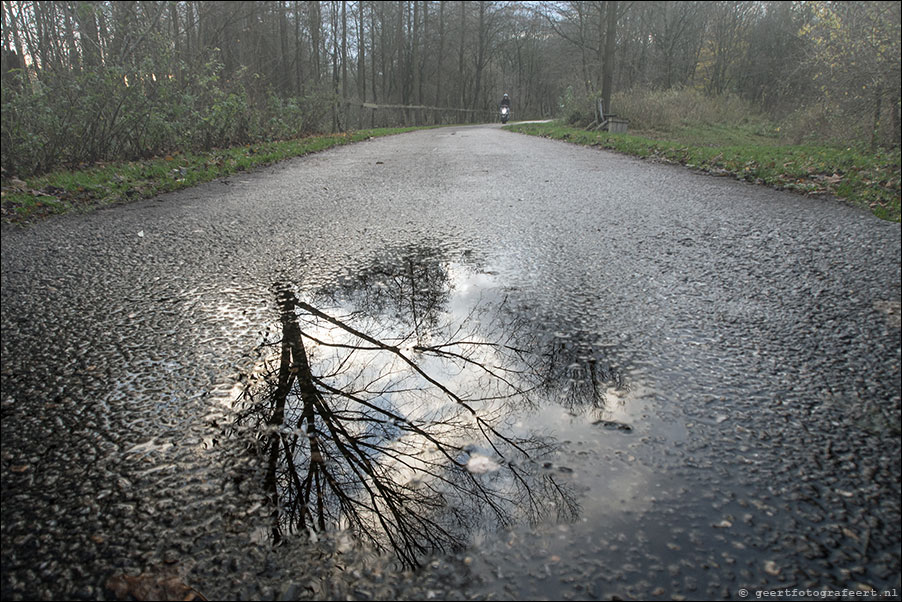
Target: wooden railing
{"points": [[361, 115]]}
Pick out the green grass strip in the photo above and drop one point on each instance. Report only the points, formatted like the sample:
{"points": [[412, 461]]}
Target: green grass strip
{"points": [[869, 179], [103, 184]]}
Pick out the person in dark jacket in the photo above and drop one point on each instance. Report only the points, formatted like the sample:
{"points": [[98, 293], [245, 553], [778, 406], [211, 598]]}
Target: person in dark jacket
{"points": [[505, 108]]}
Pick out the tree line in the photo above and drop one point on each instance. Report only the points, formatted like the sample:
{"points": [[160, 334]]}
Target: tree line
{"points": [[93, 80]]}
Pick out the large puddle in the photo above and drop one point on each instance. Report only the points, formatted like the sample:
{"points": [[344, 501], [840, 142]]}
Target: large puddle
{"points": [[419, 407]]}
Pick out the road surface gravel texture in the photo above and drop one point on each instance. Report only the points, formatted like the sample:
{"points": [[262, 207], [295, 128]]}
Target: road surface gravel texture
{"points": [[538, 371]]}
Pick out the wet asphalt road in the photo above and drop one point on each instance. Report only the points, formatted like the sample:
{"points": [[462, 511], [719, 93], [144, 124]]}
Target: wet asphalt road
{"points": [[746, 343]]}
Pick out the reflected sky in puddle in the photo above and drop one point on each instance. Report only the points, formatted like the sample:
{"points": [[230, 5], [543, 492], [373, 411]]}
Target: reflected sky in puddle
{"points": [[419, 406]]}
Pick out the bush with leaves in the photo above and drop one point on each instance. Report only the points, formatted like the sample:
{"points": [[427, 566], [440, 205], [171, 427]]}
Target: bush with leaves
{"points": [[114, 113], [667, 110]]}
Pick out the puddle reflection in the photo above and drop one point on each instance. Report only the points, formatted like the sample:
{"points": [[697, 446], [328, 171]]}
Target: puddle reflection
{"points": [[387, 408]]}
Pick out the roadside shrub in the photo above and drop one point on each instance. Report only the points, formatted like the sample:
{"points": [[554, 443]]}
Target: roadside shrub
{"points": [[667, 110], [577, 108], [840, 123], [661, 110], [110, 113], [296, 116]]}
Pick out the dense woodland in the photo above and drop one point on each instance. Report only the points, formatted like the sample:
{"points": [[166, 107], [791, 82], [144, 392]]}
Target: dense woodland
{"points": [[85, 81]]}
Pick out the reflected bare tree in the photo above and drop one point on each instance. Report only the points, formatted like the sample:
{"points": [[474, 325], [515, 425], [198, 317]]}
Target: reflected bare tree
{"points": [[410, 285], [395, 429], [580, 373]]}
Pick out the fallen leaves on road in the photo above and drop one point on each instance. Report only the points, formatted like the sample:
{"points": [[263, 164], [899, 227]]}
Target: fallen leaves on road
{"points": [[151, 586]]}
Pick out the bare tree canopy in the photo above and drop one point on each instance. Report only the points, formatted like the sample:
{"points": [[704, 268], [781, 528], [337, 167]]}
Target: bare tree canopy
{"points": [[98, 80], [388, 414]]}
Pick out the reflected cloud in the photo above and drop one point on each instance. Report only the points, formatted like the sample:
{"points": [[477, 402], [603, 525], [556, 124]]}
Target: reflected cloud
{"points": [[384, 408], [411, 405]]}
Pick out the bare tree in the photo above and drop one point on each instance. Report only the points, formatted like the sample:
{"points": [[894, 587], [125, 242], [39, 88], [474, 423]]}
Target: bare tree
{"points": [[353, 429], [176, 74], [855, 50], [728, 26]]}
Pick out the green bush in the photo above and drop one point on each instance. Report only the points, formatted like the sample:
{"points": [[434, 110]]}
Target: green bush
{"points": [[112, 113], [840, 123], [577, 108], [661, 110], [668, 110]]}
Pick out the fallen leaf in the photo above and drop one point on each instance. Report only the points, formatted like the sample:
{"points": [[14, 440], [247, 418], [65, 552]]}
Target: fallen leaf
{"points": [[151, 586]]}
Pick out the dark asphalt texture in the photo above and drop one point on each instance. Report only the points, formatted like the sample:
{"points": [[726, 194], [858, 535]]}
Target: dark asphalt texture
{"points": [[753, 334]]}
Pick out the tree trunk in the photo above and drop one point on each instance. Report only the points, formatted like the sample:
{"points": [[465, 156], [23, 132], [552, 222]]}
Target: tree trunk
{"points": [[441, 54], [607, 78], [383, 51], [123, 26], [333, 21], [361, 52], [424, 36], [176, 39], [316, 24], [13, 59], [298, 50], [74, 61], [480, 56], [417, 92], [190, 30], [285, 71], [587, 79], [401, 69], [5, 27], [41, 42], [344, 49], [462, 83], [373, 70], [86, 20]]}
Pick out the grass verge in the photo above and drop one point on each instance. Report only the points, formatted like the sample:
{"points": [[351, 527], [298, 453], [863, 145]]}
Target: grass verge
{"points": [[94, 186], [865, 178]]}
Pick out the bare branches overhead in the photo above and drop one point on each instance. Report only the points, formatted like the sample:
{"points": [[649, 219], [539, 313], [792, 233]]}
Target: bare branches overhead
{"points": [[202, 74]]}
